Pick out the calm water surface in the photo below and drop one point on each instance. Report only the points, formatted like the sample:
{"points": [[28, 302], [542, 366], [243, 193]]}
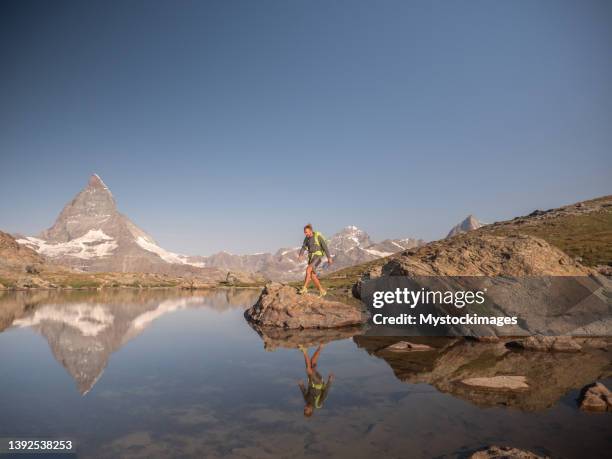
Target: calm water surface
{"points": [[170, 374]]}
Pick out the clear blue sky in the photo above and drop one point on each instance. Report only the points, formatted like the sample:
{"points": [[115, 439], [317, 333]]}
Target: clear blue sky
{"points": [[229, 124]]}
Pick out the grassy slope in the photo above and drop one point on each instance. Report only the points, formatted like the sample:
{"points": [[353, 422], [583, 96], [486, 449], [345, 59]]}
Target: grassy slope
{"points": [[586, 236]]}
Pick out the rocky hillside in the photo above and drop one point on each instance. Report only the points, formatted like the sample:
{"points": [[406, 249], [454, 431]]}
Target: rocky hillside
{"points": [[582, 230], [566, 241], [12, 254], [482, 254]]}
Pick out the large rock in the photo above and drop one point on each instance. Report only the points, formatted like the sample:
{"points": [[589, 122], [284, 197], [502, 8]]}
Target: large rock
{"points": [[505, 452], [281, 306], [596, 397], [485, 255]]}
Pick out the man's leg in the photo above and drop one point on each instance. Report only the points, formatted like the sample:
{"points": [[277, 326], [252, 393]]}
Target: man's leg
{"points": [[315, 356], [315, 279], [307, 362], [308, 277]]}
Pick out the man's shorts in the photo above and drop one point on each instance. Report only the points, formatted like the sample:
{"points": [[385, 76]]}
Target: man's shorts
{"points": [[314, 262]]}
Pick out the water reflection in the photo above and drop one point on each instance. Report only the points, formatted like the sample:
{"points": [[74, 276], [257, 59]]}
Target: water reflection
{"points": [[196, 383], [316, 389], [83, 328], [447, 362]]}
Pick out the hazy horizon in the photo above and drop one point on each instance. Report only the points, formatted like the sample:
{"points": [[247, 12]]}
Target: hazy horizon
{"points": [[228, 125]]}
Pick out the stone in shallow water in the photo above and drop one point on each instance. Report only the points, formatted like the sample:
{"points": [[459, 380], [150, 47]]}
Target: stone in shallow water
{"points": [[505, 452], [406, 346], [498, 382], [546, 344], [596, 397], [280, 305]]}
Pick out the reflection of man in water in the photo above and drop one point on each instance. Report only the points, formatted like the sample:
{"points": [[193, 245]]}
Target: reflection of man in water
{"points": [[316, 390]]}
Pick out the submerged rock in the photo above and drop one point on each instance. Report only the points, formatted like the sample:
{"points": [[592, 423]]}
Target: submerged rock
{"points": [[280, 305], [546, 343], [596, 397], [505, 452], [406, 346], [498, 383]]}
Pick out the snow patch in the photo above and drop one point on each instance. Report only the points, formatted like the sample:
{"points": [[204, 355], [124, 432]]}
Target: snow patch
{"points": [[93, 244], [166, 255], [378, 253]]}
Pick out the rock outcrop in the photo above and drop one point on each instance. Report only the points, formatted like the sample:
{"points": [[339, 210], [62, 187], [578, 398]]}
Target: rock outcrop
{"points": [[596, 397], [281, 306], [505, 452]]}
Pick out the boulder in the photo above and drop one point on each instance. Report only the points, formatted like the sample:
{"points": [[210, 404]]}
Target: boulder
{"points": [[596, 397], [546, 344], [505, 452], [280, 305], [485, 255]]}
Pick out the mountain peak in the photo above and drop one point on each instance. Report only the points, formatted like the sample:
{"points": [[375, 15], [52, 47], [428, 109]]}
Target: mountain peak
{"points": [[89, 209], [96, 182], [468, 224]]}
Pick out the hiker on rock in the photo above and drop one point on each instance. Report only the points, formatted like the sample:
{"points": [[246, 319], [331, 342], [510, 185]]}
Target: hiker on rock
{"points": [[317, 389], [316, 245]]}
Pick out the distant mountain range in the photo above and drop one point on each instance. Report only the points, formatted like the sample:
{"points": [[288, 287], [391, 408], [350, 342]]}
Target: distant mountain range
{"points": [[90, 234]]}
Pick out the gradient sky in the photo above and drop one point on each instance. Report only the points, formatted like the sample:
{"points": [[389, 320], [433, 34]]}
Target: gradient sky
{"points": [[230, 124]]}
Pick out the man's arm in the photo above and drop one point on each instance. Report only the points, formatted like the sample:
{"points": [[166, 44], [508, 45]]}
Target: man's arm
{"points": [[302, 389], [304, 247]]}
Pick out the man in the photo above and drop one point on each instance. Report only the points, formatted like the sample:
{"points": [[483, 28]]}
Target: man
{"points": [[317, 389], [316, 245]]}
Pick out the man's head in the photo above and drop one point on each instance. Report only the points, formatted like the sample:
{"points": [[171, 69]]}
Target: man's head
{"points": [[308, 230], [308, 411]]}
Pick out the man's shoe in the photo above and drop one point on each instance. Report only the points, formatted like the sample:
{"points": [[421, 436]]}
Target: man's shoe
{"points": [[322, 293], [303, 291]]}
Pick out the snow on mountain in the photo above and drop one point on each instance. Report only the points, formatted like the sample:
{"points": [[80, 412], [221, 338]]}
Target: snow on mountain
{"points": [[93, 244]]}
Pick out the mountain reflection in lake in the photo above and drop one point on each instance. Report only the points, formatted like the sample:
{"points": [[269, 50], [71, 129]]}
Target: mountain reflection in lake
{"points": [[181, 374]]}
